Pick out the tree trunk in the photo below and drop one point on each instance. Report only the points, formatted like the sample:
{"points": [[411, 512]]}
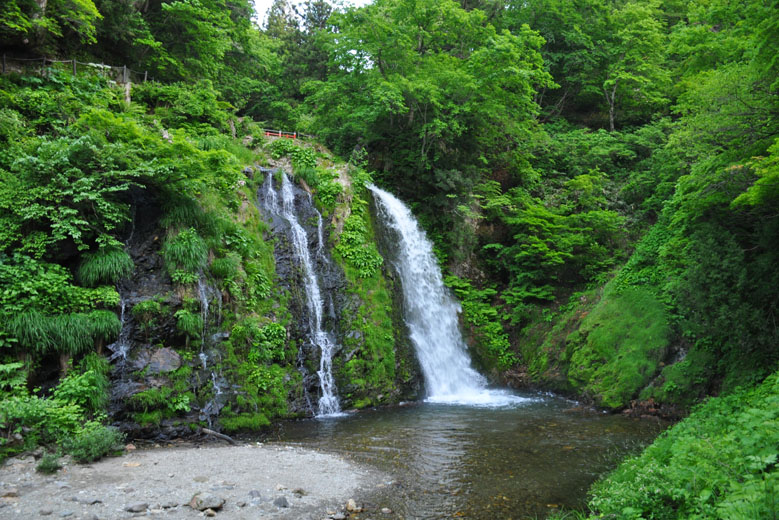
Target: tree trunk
{"points": [[64, 364], [612, 101]]}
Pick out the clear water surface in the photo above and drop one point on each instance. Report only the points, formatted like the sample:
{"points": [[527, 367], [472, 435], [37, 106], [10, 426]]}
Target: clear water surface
{"points": [[525, 460]]}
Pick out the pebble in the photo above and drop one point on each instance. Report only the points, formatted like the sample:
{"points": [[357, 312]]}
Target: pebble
{"points": [[169, 505], [386, 510], [45, 512], [352, 506], [137, 508], [255, 494], [209, 512], [281, 502], [66, 514], [241, 504], [9, 493], [339, 516]]}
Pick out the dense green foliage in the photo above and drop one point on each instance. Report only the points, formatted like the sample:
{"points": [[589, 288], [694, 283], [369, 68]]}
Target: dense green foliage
{"points": [[718, 463]]}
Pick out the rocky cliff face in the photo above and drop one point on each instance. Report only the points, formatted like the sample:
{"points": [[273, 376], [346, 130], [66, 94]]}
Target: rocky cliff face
{"points": [[247, 357]]}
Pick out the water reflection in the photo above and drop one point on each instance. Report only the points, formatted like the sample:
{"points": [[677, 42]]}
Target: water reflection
{"points": [[479, 462]]}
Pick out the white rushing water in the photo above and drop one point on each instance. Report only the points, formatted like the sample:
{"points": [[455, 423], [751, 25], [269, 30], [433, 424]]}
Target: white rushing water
{"points": [[328, 403], [121, 347], [431, 315]]}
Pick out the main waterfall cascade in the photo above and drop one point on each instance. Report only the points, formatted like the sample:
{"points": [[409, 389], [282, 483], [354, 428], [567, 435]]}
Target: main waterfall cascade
{"points": [[431, 312], [284, 208]]}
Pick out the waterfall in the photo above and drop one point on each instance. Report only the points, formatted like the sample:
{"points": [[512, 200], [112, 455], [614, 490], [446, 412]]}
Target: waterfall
{"points": [[431, 314], [323, 339]]}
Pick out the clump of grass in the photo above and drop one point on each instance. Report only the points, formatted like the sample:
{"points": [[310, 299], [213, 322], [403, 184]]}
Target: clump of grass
{"points": [[105, 266], [187, 213], [67, 333], [225, 268], [186, 251], [244, 422], [105, 325]]}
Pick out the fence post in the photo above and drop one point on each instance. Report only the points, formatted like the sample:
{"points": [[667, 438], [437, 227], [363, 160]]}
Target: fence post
{"points": [[124, 73], [145, 75], [74, 66]]}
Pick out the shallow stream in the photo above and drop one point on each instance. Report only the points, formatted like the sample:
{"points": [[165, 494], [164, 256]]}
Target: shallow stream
{"points": [[451, 461]]}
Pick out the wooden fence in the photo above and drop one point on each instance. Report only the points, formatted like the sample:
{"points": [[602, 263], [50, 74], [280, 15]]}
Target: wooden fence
{"points": [[121, 74]]}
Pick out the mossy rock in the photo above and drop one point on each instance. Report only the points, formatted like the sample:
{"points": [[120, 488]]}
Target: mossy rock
{"points": [[618, 348]]}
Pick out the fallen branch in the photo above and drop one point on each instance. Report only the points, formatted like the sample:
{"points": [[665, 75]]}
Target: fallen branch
{"points": [[218, 435]]}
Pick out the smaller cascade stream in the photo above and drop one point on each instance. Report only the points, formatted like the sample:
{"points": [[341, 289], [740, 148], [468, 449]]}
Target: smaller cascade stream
{"points": [[208, 295], [328, 404], [431, 314], [121, 347]]}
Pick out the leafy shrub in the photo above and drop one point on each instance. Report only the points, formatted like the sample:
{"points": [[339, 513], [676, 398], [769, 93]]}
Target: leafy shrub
{"points": [[87, 386], [13, 378], [328, 191], [357, 249], [105, 266], [282, 148], [482, 316], [49, 464], [301, 158], [189, 323], [265, 343], [44, 420], [93, 442]]}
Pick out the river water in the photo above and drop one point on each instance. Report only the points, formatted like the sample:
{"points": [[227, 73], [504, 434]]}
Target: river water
{"points": [[450, 461]]}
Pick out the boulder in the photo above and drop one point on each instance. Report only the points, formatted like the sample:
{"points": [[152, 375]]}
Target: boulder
{"points": [[203, 501], [163, 360]]}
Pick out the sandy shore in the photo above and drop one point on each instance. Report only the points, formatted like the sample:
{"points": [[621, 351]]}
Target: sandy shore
{"points": [[253, 480]]}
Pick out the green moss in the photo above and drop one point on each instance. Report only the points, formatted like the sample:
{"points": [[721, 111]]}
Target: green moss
{"points": [[151, 418], [684, 382], [618, 348]]}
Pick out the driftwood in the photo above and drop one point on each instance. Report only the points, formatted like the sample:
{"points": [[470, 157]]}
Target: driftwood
{"points": [[218, 435]]}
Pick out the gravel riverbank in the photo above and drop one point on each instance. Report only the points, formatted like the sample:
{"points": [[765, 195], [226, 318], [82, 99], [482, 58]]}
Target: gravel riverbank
{"points": [[236, 482]]}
